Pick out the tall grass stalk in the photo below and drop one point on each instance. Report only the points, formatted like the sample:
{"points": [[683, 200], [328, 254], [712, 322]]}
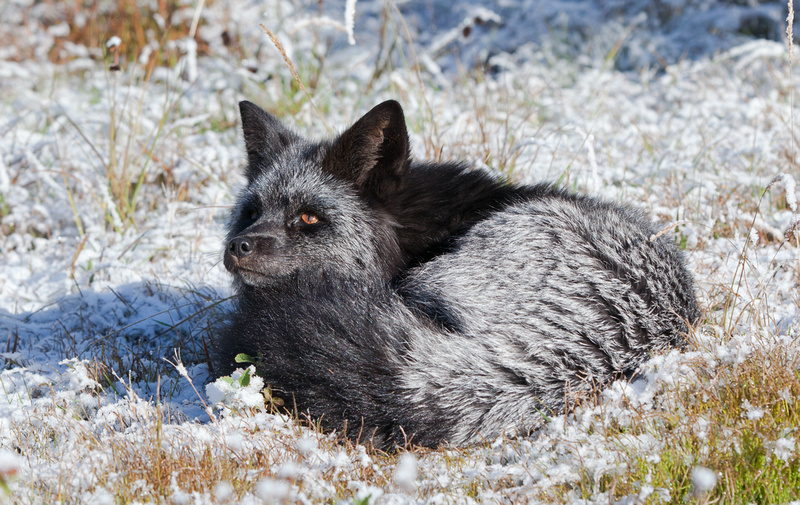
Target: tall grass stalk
{"points": [[124, 181], [76, 215], [288, 61]]}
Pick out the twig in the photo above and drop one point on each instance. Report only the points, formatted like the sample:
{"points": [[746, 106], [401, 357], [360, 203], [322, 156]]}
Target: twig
{"points": [[196, 18], [289, 64], [790, 41], [668, 228], [77, 253]]}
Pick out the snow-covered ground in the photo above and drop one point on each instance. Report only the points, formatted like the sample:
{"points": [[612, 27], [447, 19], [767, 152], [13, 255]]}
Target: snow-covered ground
{"points": [[107, 308]]}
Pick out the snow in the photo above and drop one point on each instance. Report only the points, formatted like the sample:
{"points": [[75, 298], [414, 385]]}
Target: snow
{"points": [[113, 42], [784, 449], [9, 463], [273, 491], [667, 106], [223, 491], [791, 191], [703, 479], [405, 473], [752, 412]]}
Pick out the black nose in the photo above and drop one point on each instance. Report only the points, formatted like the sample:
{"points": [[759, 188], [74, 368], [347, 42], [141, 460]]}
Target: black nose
{"points": [[240, 247]]}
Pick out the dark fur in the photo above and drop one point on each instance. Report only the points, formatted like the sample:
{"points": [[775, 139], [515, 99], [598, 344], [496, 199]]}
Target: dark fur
{"points": [[431, 302]]}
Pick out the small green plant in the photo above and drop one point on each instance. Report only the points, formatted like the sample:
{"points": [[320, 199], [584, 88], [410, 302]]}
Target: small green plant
{"points": [[363, 501], [4, 209], [244, 358]]}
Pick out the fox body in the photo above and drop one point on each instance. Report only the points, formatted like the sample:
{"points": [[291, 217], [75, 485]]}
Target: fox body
{"points": [[430, 303]]}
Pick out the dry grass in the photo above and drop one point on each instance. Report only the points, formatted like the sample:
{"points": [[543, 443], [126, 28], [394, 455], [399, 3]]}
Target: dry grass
{"points": [[732, 419], [146, 28], [137, 453]]}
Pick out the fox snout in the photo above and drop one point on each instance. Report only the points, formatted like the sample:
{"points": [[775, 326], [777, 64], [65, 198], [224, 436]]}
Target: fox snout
{"points": [[240, 251], [241, 247]]}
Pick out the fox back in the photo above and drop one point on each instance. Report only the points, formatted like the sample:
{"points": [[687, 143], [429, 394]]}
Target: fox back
{"points": [[399, 301]]}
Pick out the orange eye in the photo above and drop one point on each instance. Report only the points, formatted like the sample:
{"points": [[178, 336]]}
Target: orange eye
{"points": [[309, 218]]}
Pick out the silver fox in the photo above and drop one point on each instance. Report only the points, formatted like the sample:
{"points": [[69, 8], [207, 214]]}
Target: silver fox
{"points": [[430, 303]]}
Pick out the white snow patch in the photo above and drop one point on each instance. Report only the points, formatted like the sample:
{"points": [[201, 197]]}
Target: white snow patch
{"points": [[9, 463], [703, 479], [273, 491], [784, 449], [752, 412], [405, 472]]}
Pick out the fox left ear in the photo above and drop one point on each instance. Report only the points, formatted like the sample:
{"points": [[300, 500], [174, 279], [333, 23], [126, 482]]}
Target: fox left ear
{"points": [[264, 138], [374, 152]]}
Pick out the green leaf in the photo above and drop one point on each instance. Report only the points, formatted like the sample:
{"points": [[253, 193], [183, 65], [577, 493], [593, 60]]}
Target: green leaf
{"points": [[244, 358], [244, 380], [363, 501]]}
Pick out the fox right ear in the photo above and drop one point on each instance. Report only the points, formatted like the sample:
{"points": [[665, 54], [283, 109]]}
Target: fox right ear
{"points": [[264, 138], [374, 152]]}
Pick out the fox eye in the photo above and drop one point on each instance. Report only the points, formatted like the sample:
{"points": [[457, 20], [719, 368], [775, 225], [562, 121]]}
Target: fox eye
{"points": [[309, 218]]}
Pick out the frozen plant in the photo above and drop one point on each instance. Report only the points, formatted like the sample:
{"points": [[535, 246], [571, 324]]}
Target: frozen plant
{"points": [[349, 20], [241, 390], [789, 186]]}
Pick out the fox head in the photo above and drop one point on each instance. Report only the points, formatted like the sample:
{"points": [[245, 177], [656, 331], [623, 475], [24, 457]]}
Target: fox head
{"points": [[318, 207]]}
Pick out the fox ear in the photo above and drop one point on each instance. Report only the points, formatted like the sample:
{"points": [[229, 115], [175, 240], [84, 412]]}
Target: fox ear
{"points": [[374, 152], [264, 138]]}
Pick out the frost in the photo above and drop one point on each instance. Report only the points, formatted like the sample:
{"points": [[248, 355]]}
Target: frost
{"points": [[789, 186], [235, 442], [752, 412], [189, 60], [783, 449], [368, 495], [289, 471], [181, 369], [181, 498], [223, 491], [363, 458], [594, 176], [76, 378], [306, 446], [9, 464], [753, 236], [735, 352], [59, 30], [700, 428], [703, 479], [100, 497], [349, 20], [405, 473], [273, 491]]}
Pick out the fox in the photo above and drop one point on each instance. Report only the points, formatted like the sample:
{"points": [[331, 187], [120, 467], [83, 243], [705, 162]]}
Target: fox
{"points": [[402, 302]]}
